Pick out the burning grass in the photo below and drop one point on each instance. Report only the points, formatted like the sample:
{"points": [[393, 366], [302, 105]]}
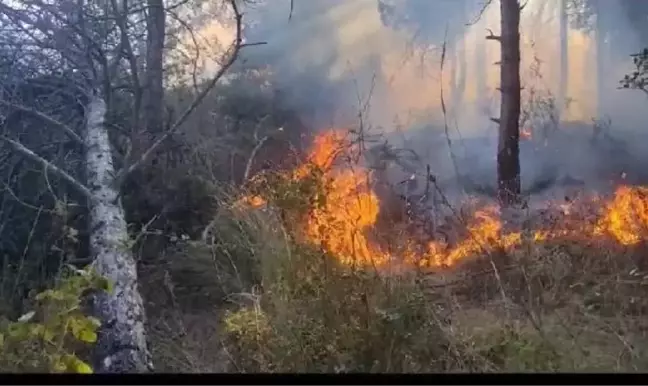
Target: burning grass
{"points": [[551, 305], [565, 293], [342, 212]]}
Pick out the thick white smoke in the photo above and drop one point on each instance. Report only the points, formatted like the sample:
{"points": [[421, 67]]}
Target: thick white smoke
{"points": [[336, 58]]}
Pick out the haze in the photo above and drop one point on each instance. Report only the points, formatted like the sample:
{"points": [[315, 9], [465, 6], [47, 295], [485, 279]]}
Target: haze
{"points": [[336, 58]]}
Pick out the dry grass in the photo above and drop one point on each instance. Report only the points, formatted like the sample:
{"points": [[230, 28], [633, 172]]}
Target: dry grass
{"points": [[280, 306]]}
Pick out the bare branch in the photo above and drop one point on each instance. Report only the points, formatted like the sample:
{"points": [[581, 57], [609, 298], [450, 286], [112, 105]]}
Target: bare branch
{"points": [[446, 128], [480, 14], [492, 36], [237, 45], [248, 166], [68, 131], [48, 165], [126, 50]]}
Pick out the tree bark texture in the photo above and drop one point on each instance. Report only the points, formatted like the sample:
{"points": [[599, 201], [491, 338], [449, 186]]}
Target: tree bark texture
{"points": [[508, 152], [121, 344], [154, 87]]}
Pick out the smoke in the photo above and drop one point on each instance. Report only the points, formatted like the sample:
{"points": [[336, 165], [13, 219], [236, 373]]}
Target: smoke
{"points": [[337, 59]]}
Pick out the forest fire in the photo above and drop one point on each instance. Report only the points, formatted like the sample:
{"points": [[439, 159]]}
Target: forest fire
{"points": [[347, 212]]}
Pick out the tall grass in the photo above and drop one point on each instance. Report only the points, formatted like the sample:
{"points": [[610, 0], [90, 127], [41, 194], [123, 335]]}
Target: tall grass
{"points": [[282, 305]]}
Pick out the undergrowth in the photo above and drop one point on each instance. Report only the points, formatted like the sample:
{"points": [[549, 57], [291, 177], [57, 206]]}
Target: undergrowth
{"points": [[287, 306], [57, 334]]}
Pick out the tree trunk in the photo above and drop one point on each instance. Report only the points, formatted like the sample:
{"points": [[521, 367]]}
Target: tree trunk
{"points": [[601, 57], [154, 90], [564, 59], [508, 152], [121, 344]]}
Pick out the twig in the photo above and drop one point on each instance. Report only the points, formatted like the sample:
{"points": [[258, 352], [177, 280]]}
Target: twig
{"points": [[68, 131], [46, 164], [248, 166], [236, 47], [145, 228], [443, 105], [481, 13]]}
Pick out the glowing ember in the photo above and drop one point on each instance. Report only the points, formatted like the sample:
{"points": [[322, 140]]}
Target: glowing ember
{"points": [[526, 133], [342, 222], [255, 201]]}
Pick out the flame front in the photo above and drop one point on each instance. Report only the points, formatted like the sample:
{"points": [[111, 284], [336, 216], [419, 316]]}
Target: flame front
{"points": [[626, 215], [350, 208], [343, 222]]}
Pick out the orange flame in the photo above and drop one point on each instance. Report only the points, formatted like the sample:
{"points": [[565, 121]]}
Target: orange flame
{"points": [[342, 223], [348, 211], [626, 215]]}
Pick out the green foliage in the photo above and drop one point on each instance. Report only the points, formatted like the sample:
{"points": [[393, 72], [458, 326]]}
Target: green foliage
{"points": [[52, 336], [509, 349], [318, 316], [294, 195]]}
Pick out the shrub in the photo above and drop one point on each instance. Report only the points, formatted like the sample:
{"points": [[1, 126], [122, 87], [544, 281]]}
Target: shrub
{"points": [[57, 333]]}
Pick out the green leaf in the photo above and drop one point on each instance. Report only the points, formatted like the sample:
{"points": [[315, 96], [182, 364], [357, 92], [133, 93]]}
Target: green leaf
{"points": [[57, 364], [36, 330], [76, 365], [87, 336], [83, 329], [83, 368], [48, 335], [18, 330], [50, 295]]}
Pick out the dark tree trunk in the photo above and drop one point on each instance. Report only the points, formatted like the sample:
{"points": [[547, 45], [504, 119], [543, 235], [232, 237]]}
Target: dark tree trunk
{"points": [[154, 88], [508, 152]]}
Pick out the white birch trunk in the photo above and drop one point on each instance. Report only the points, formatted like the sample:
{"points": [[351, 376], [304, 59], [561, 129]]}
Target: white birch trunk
{"points": [[121, 345]]}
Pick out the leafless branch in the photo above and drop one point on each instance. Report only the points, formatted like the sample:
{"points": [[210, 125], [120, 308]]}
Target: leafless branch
{"points": [[48, 165], [237, 45], [129, 54], [248, 166], [194, 41], [68, 131], [492, 36], [443, 105], [481, 13]]}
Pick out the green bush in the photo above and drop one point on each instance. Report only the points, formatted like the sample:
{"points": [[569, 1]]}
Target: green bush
{"points": [[57, 333], [315, 315]]}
